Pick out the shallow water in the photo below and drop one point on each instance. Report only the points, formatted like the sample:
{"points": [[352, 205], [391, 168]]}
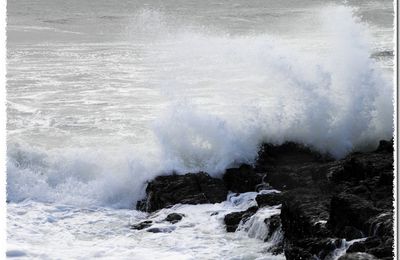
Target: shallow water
{"points": [[103, 96], [52, 231]]}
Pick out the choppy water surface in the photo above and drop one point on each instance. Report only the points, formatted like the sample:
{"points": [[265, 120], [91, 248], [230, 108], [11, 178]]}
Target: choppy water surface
{"points": [[104, 95], [65, 232]]}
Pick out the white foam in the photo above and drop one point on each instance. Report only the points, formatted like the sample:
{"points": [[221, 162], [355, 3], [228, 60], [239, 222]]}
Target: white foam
{"points": [[89, 232], [250, 88], [218, 97], [80, 177]]}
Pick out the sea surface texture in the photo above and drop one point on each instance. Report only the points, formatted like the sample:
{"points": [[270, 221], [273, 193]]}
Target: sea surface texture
{"points": [[103, 96]]}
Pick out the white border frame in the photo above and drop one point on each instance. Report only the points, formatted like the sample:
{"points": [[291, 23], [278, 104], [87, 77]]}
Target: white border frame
{"points": [[3, 120]]}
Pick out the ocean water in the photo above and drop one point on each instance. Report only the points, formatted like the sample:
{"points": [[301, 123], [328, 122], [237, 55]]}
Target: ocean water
{"points": [[103, 96]]}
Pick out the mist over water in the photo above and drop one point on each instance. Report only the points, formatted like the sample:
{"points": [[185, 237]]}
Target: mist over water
{"points": [[91, 119]]}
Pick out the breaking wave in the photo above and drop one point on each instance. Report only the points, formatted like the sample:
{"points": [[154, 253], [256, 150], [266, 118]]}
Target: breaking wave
{"points": [[225, 95]]}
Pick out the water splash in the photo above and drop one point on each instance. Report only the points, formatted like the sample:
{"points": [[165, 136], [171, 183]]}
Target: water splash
{"points": [[222, 95]]}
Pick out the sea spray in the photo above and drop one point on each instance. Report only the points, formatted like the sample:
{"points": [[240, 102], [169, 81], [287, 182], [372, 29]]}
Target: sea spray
{"points": [[331, 100], [221, 95]]}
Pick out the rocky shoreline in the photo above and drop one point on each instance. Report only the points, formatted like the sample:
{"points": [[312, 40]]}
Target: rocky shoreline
{"points": [[328, 207]]}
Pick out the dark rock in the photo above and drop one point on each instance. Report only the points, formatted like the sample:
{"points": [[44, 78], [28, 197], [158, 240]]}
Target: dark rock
{"points": [[354, 168], [174, 217], [142, 225], [350, 233], [380, 244], [324, 199], [290, 165], [160, 230], [214, 189], [165, 191], [356, 247], [295, 253], [273, 223], [285, 179], [385, 146], [310, 248], [381, 251], [360, 190], [381, 225], [360, 166], [276, 249], [154, 230], [287, 154], [371, 242], [386, 179], [141, 205], [381, 247], [357, 256], [232, 220], [242, 179], [270, 199], [350, 210], [325, 247], [304, 213], [289, 169], [389, 242]]}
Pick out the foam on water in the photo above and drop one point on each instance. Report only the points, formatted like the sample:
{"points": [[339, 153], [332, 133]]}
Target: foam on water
{"points": [[78, 176], [65, 232], [218, 97]]}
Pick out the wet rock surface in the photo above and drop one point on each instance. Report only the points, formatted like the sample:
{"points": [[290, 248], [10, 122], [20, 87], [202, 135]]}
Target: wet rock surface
{"points": [[191, 188], [273, 223], [242, 179], [142, 225], [350, 211], [379, 246], [270, 199], [233, 220], [323, 201], [311, 248], [174, 217], [358, 256], [160, 229]]}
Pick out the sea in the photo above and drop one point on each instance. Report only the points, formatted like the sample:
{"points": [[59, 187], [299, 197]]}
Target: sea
{"points": [[103, 96]]}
